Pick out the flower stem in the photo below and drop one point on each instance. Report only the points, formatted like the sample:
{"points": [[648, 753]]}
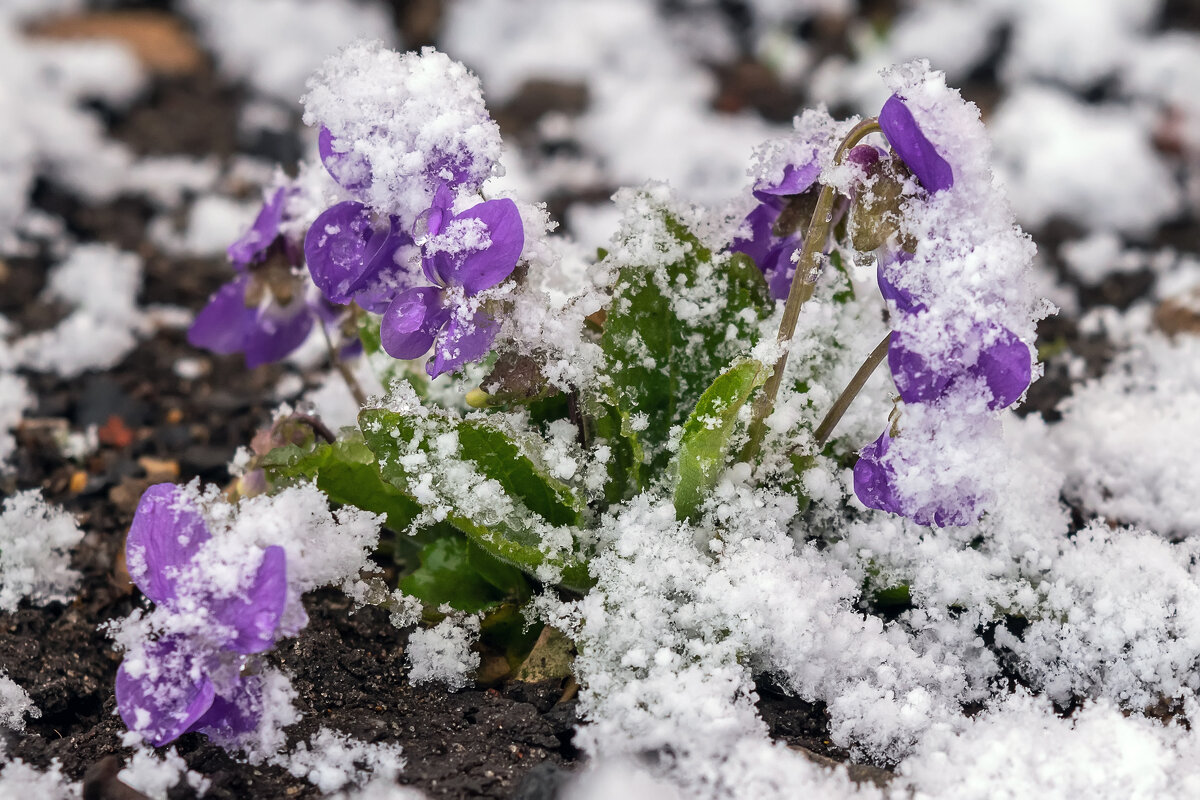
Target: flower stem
{"points": [[834, 415], [335, 361], [801, 290]]}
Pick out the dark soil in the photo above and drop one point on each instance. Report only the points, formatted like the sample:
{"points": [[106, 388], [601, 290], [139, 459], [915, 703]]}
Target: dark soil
{"points": [[513, 740]]}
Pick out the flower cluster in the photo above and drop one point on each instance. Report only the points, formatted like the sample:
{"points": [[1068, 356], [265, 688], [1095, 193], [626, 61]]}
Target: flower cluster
{"points": [[409, 139], [950, 351], [217, 606]]}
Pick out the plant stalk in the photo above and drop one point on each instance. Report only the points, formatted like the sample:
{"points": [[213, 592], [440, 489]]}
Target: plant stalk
{"points": [[803, 282], [838, 409], [352, 384]]}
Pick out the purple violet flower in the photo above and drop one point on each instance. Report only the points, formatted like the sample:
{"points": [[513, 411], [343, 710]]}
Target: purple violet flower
{"points": [[262, 312], [190, 680], [348, 168], [773, 254], [905, 136], [464, 255]]}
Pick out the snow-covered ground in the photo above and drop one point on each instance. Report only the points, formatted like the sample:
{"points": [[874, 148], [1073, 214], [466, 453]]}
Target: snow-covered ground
{"points": [[1095, 125]]}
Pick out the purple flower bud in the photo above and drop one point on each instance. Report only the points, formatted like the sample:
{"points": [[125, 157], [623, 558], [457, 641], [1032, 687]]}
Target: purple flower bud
{"points": [[873, 480], [905, 136]]}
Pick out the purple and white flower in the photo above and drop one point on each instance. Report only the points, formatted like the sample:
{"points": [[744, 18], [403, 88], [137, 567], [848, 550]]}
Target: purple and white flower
{"points": [[214, 617], [463, 255]]}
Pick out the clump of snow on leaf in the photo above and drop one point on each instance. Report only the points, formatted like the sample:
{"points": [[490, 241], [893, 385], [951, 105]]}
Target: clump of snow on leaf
{"points": [[35, 551]]}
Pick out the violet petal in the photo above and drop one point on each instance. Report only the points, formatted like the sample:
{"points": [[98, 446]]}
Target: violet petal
{"points": [[483, 269], [163, 702], [462, 342], [411, 322], [906, 138], [901, 297], [163, 538], [349, 169], [797, 178], [256, 616], [343, 250], [1006, 367], [275, 332], [235, 712], [253, 244], [221, 325], [915, 381], [873, 480], [762, 240]]}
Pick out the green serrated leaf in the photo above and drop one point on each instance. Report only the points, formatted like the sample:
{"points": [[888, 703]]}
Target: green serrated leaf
{"points": [[513, 536], [668, 333], [707, 431]]}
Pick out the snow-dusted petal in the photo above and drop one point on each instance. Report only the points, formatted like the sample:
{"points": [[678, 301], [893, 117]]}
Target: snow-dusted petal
{"points": [[467, 337], [163, 539], [156, 696], [348, 168], [873, 480], [1006, 367], [915, 380], [889, 267], [484, 268], [253, 244], [906, 138], [411, 322], [797, 178], [344, 250], [256, 616]]}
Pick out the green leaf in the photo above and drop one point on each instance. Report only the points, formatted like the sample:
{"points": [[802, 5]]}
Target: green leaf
{"points": [[468, 454], [346, 471], [707, 432], [670, 330], [446, 575]]}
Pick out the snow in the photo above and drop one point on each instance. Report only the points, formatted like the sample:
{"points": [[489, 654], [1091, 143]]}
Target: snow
{"points": [[35, 551], [15, 705], [330, 760], [302, 33], [18, 779], [100, 284], [443, 653], [155, 774]]}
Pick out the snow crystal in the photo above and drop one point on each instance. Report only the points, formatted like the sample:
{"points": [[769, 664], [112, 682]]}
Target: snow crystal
{"points": [[15, 400], [330, 760], [15, 705], [155, 774], [18, 779], [443, 653], [35, 551], [1120, 437]]}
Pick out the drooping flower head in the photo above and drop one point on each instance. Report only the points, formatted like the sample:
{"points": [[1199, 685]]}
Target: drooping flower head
{"points": [[962, 311], [463, 255], [212, 614]]}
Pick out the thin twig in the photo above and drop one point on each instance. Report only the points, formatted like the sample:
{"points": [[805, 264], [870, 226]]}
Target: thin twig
{"points": [[834, 415], [360, 397]]}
